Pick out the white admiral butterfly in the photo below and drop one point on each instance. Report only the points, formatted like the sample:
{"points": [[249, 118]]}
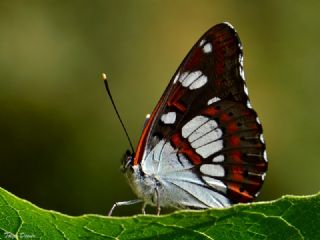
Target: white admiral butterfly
{"points": [[202, 146]]}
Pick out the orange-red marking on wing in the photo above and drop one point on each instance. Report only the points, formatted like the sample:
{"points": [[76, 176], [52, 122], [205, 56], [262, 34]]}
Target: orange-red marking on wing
{"points": [[184, 147]]}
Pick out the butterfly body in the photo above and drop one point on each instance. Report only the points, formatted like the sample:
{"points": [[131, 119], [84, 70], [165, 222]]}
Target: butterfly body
{"points": [[202, 146]]}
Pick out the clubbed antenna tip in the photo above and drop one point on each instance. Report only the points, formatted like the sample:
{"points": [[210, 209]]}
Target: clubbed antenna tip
{"points": [[104, 76]]}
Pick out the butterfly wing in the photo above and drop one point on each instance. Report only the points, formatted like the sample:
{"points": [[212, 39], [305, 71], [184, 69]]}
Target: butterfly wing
{"points": [[206, 116]]}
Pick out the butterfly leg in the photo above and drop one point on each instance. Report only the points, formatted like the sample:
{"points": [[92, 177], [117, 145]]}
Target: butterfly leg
{"points": [[117, 204], [144, 208], [158, 201]]}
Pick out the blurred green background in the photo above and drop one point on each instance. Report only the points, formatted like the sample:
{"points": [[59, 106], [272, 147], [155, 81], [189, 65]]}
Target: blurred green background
{"points": [[60, 141]]}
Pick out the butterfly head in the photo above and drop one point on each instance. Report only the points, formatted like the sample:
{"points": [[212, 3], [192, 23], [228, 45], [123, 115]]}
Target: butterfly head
{"points": [[127, 161]]}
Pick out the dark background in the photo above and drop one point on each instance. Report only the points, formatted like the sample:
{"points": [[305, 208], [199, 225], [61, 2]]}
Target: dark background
{"points": [[60, 141]]}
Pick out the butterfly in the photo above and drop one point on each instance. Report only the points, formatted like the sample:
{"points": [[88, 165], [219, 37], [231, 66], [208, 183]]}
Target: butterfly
{"points": [[202, 146]]}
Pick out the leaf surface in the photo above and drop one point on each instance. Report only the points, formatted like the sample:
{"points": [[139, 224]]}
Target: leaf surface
{"points": [[290, 217]]}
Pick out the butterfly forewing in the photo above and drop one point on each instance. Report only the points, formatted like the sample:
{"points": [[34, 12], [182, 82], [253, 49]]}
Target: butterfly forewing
{"points": [[206, 117]]}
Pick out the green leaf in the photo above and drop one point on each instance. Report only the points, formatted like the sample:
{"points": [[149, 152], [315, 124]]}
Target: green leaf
{"points": [[291, 217]]}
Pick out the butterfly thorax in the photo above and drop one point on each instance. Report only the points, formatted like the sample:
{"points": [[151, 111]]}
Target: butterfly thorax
{"points": [[142, 184]]}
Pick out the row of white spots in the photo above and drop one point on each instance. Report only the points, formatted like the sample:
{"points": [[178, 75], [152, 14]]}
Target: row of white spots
{"points": [[203, 135], [192, 80], [262, 140], [195, 130], [213, 100], [241, 71], [169, 118]]}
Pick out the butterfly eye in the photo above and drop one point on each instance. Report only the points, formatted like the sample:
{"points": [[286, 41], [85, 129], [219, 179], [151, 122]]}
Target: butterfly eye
{"points": [[127, 161]]}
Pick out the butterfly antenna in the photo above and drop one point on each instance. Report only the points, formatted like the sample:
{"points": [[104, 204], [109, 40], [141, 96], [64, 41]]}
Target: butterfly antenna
{"points": [[104, 77]]}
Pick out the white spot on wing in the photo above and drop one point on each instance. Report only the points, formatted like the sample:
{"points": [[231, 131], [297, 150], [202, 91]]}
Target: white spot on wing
{"points": [[213, 170], [242, 73], [219, 158], [241, 58], [207, 138], [216, 184], [240, 46], [229, 25], [183, 76], [192, 125], [249, 104], [192, 80], [202, 42], [258, 121], [193, 76], [202, 130], [168, 118], [213, 100], [261, 138], [207, 48], [203, 135], [257, 194], [176, 78], [265, 155], [199, 82], [245, 89], [209, 149]]}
